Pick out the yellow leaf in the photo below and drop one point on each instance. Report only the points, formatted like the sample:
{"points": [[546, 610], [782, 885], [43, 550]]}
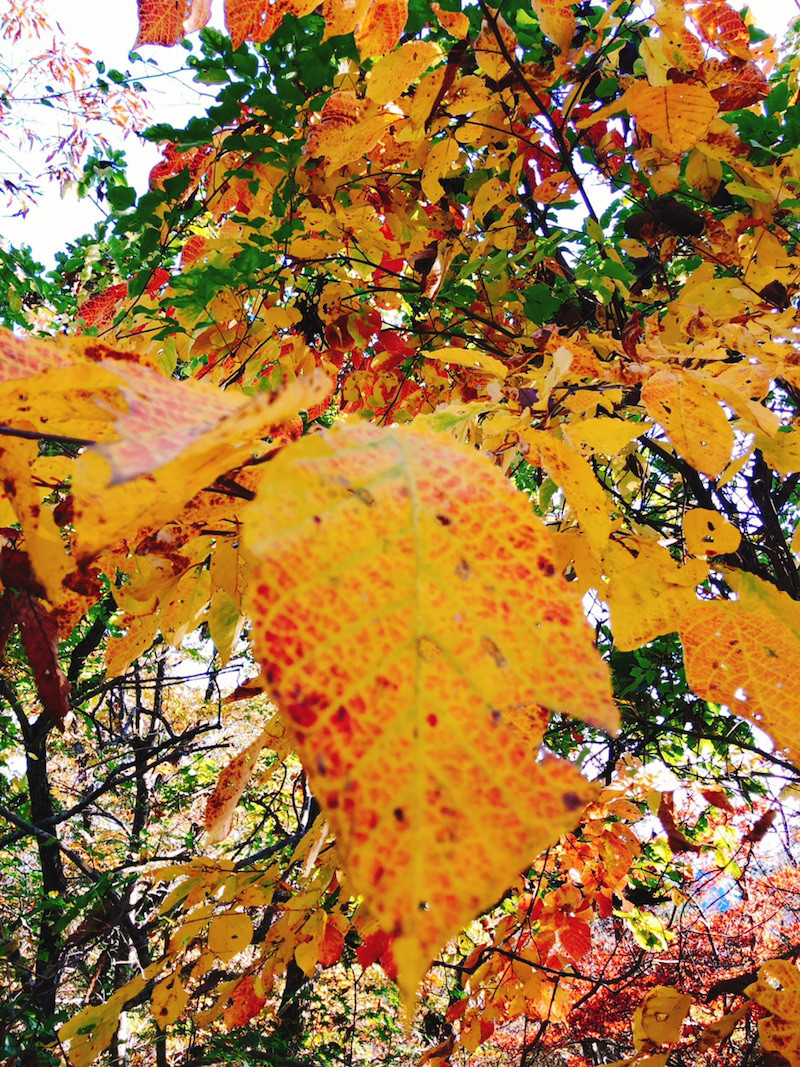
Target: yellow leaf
{"points": [[394, 73], [225, 624], [608, 437], [468, 357], [227, 566], [648, 593], [43, 541], [91, 1031], [376, 561], [694, 421], [308, 951], [659, 1018], [168, 1000], [704, 173], [455, 23], [491, 56], [746, 653], [230, 934], [707, 533], [679, 115], [557, 21], [438, 164], [778, 991], [722, 1028], [106, 510], [122, 651], [572, 473]]}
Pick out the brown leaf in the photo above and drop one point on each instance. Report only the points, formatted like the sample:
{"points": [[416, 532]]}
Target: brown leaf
{"points": [[677, 841]]}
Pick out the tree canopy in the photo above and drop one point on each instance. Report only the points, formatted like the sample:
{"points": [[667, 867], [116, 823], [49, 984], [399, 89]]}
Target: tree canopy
{"points": [[399, 590]]}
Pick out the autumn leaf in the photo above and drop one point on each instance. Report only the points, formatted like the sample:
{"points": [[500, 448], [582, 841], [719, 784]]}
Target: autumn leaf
{"points": [[693, 418], [161, 21], [168, 1000], [707, 533], [427, 649], [557, 20], [743, 653], [573, 474], [778, 991], [678, 115], [246, 1001], [229, 934], [231, 784], [142, 481], [659, 1019], [395, 72], [380, 28], [39, 632]]}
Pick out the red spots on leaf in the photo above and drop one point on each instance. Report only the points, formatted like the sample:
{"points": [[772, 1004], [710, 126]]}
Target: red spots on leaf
{"points": [[545, 566], [304, 710]]}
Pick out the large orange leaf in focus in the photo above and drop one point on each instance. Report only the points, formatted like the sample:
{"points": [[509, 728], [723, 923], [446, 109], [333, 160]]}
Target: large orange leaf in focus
{"points": [[410, 619], [745, 653]]}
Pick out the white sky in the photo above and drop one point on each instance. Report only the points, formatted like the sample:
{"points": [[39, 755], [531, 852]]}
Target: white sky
{"points": [[108, 28]]}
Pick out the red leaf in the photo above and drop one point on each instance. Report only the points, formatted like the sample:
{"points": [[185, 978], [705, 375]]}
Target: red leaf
{"points": [[247, 1000], [332, 945], [39, 634], [576, 939], [373, 948]]}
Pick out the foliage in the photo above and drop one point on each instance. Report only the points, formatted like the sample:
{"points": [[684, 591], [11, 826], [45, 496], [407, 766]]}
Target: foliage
{"points": [[56, 105], [443, 330]]}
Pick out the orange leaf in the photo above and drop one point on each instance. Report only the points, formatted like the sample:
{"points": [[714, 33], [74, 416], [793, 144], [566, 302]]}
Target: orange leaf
{"points": [[679, 115], [677, 841], [431, 636], [253, 20], [746, 653], [723, 28], [247, 1000], [161, 21], [229, 788], [576, 939], [332, 946], [381, 27]]}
